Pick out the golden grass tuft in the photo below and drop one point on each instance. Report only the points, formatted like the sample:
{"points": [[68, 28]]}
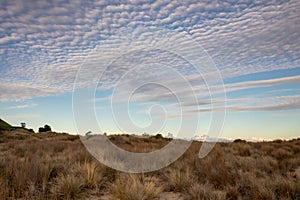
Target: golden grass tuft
{"points": [[68, 187], [134, 187]]}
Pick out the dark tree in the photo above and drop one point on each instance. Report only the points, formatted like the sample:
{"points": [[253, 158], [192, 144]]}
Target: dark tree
{"points": [[45, 128], [239, 141], [158, 136]]}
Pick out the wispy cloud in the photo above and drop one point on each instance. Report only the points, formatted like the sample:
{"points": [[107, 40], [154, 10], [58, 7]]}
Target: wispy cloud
{"points": [[22, 91], [22, 106], [282, 103], [204, 96], [20, 116]]}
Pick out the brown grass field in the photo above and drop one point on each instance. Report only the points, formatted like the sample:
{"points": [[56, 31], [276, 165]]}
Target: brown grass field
{"points": [[57, 166]]}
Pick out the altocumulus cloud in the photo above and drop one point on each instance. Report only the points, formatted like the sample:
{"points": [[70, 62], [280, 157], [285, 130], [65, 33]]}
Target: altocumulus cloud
{"points": [[44, 43]]}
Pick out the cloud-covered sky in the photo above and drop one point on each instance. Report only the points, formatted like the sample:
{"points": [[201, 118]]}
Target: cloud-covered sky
{"points": [[254, 45]]}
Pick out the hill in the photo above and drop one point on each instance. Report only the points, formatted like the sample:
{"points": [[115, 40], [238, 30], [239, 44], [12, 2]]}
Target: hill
{"points": [[23, 134], [4, 125]]}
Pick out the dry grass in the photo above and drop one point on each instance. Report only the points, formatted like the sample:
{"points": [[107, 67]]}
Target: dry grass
{"points": [[179, 179], [57, 166], [68, 187], [134, 187], [198, 191]]}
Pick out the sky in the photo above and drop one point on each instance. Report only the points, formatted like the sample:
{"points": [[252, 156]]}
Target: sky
{"points": [[220, 68]]}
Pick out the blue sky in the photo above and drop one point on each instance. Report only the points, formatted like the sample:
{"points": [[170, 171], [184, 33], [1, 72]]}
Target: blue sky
{"points": [[254, 46]]}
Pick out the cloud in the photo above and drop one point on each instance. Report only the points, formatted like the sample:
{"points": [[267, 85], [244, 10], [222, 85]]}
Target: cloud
{"points": [[21, 116], [44, 44], [206, 103], [9, 38], [21, 92], [203, 94], [250, 104], [262, 83], [271, 104], [286, 115], [22, 106]]}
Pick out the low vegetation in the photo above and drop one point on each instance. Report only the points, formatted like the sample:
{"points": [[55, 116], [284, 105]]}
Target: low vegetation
{"points": [[57, 166]]}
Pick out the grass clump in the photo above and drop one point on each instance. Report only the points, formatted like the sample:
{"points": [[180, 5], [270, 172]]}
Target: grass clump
{"points": [[134, 187], [69, 187]]}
